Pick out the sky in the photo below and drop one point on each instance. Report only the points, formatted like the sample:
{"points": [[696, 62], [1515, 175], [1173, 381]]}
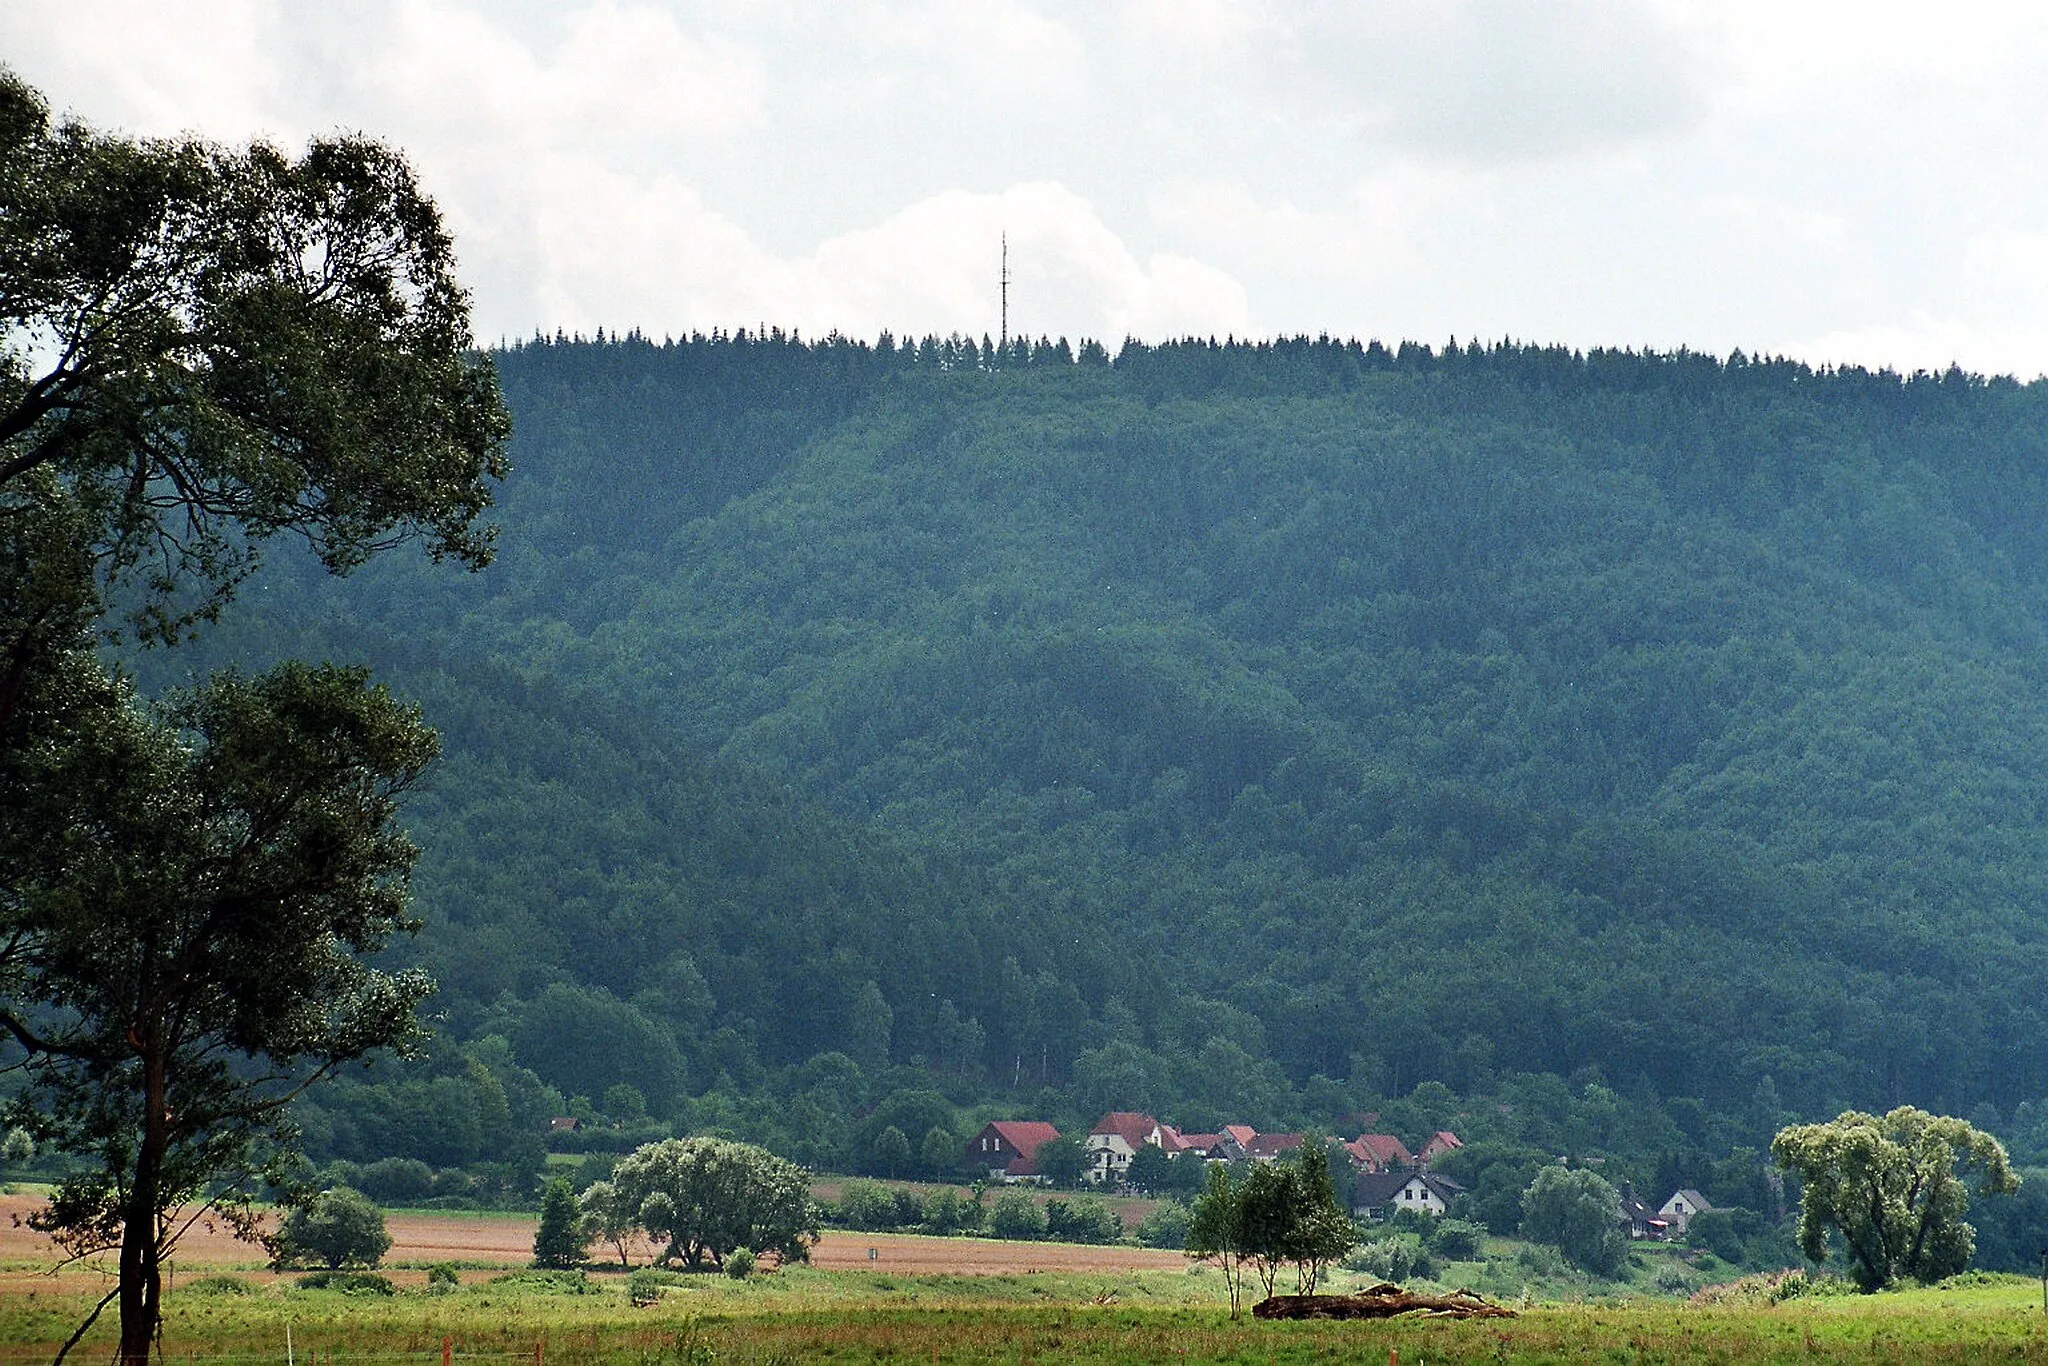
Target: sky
{"points": [[1839, 182]]}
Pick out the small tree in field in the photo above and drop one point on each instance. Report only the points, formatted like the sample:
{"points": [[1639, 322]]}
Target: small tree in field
{"points": [[1216, 1232], [608, 1216], [559, 1242], [339, 1228]]}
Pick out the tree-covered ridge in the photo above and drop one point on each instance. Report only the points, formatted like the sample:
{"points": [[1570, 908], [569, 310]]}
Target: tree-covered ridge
{"points": [[1184, 729]]}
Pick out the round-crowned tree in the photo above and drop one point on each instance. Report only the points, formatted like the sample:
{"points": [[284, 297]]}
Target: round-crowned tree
{"points": [[704, 1197], [339, 1228]]}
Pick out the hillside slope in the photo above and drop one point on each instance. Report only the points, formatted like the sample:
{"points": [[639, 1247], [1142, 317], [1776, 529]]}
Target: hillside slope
{"points": [[1184, 730]]}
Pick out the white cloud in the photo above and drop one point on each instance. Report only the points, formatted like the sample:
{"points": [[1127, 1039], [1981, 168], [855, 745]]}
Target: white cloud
{"points": [[1491, 81], [620, 255], [1856, 175]]}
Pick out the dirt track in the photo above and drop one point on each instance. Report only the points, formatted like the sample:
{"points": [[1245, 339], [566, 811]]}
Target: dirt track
{"points": [[507, 1240]]}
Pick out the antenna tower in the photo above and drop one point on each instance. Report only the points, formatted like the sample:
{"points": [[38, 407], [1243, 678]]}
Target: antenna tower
{"points": [[1003, 345]]}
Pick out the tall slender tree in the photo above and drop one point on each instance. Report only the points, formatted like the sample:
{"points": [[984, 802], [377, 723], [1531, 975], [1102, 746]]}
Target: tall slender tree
{"points": [[201, 348]]}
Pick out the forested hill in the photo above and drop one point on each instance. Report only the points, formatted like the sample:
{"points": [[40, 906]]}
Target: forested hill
{"points": [[1237, 731]]}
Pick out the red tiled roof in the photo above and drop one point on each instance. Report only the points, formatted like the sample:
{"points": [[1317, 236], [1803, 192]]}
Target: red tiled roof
{"points": [[1443, 1141], [1199, 1143], [1379, 1150], [1024, 1134], [1132, 1127], [1243, 1133]]}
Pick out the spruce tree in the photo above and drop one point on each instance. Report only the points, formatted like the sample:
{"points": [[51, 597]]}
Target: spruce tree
{"points": [[559, 1242]]}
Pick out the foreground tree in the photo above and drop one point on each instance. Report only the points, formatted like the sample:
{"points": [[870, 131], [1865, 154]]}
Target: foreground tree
{"points": [[1891, 1187], [201, 348], [704, 1197], [1578, 1213], [339, 1228], [199, 955]]}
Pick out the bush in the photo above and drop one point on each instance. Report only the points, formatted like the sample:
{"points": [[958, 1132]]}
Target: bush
{"points": [[397, 1181], [1457, 1240], [1084, 1219], [340, 1228], [739, 1263], [549, 1282], [644, 1287], [348, 1282], [867, 1205], [442, 1273], [1396, 1257], [948, 1211], [1165, 1226], [220, 1285], [1015, 1215]]}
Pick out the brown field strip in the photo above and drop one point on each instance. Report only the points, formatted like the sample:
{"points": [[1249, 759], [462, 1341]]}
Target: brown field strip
{"points": [[419, 1239]]}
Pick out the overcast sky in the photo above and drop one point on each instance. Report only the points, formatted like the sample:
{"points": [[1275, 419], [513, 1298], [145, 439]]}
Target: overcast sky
{"points": [[1837, 181]]}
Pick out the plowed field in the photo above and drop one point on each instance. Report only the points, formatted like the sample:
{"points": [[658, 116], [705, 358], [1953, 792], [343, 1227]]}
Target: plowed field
{"points": [[507, 1240]]}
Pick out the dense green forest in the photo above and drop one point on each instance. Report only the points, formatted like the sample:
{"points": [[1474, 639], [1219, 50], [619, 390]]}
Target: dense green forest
{"points": [[1607, 753]]}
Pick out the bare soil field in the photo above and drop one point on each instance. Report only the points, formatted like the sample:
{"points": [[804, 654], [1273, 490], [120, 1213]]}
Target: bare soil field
{"points": [[506, 1240]]}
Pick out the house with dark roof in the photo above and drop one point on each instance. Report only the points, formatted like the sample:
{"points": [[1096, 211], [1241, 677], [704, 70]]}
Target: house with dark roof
{"points": [[1638, 1218], [1380, 1195], [1269, 1147], [1008, 1148]]}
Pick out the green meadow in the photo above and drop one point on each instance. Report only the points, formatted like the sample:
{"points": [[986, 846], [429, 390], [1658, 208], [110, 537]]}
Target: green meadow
{"points": [[804, 1315]]}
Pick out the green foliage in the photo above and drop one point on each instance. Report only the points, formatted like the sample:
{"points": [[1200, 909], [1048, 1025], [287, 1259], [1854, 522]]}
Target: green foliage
{"points": [[219, 1285], [1890, 1187], [644, 1287], [443, 1273], [559, 1240], [1016, 1215], [1164, 1225], [1061, 1161], [1608, 669], [338, 1228], [948, 1211], [739, 1263], [1456, 1240], [207, 347], [704, 1197], [1397, 1258], [1081, 1219], [1579, 1214], [348, 1282], [867, 1205]]}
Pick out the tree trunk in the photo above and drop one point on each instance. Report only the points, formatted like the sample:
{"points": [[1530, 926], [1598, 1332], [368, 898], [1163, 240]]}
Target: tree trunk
{"points": [[141, 1266]]}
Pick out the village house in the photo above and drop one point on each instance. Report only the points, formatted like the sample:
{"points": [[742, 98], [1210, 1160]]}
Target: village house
{"points": [[1269, 1147], [1378, 1153], [1008, 1148], [1638, 1218], [1441, 1142], [1380, 1195], [1114, 1141], [1680, 1208]]}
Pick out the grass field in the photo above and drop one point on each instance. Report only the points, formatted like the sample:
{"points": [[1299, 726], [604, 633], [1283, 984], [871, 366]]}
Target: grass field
{"points": [[1030, 1302], [806, 1314]]}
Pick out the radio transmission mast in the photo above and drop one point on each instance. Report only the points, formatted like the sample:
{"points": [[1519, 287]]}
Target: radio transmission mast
{"points": [[1003, 343]]}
